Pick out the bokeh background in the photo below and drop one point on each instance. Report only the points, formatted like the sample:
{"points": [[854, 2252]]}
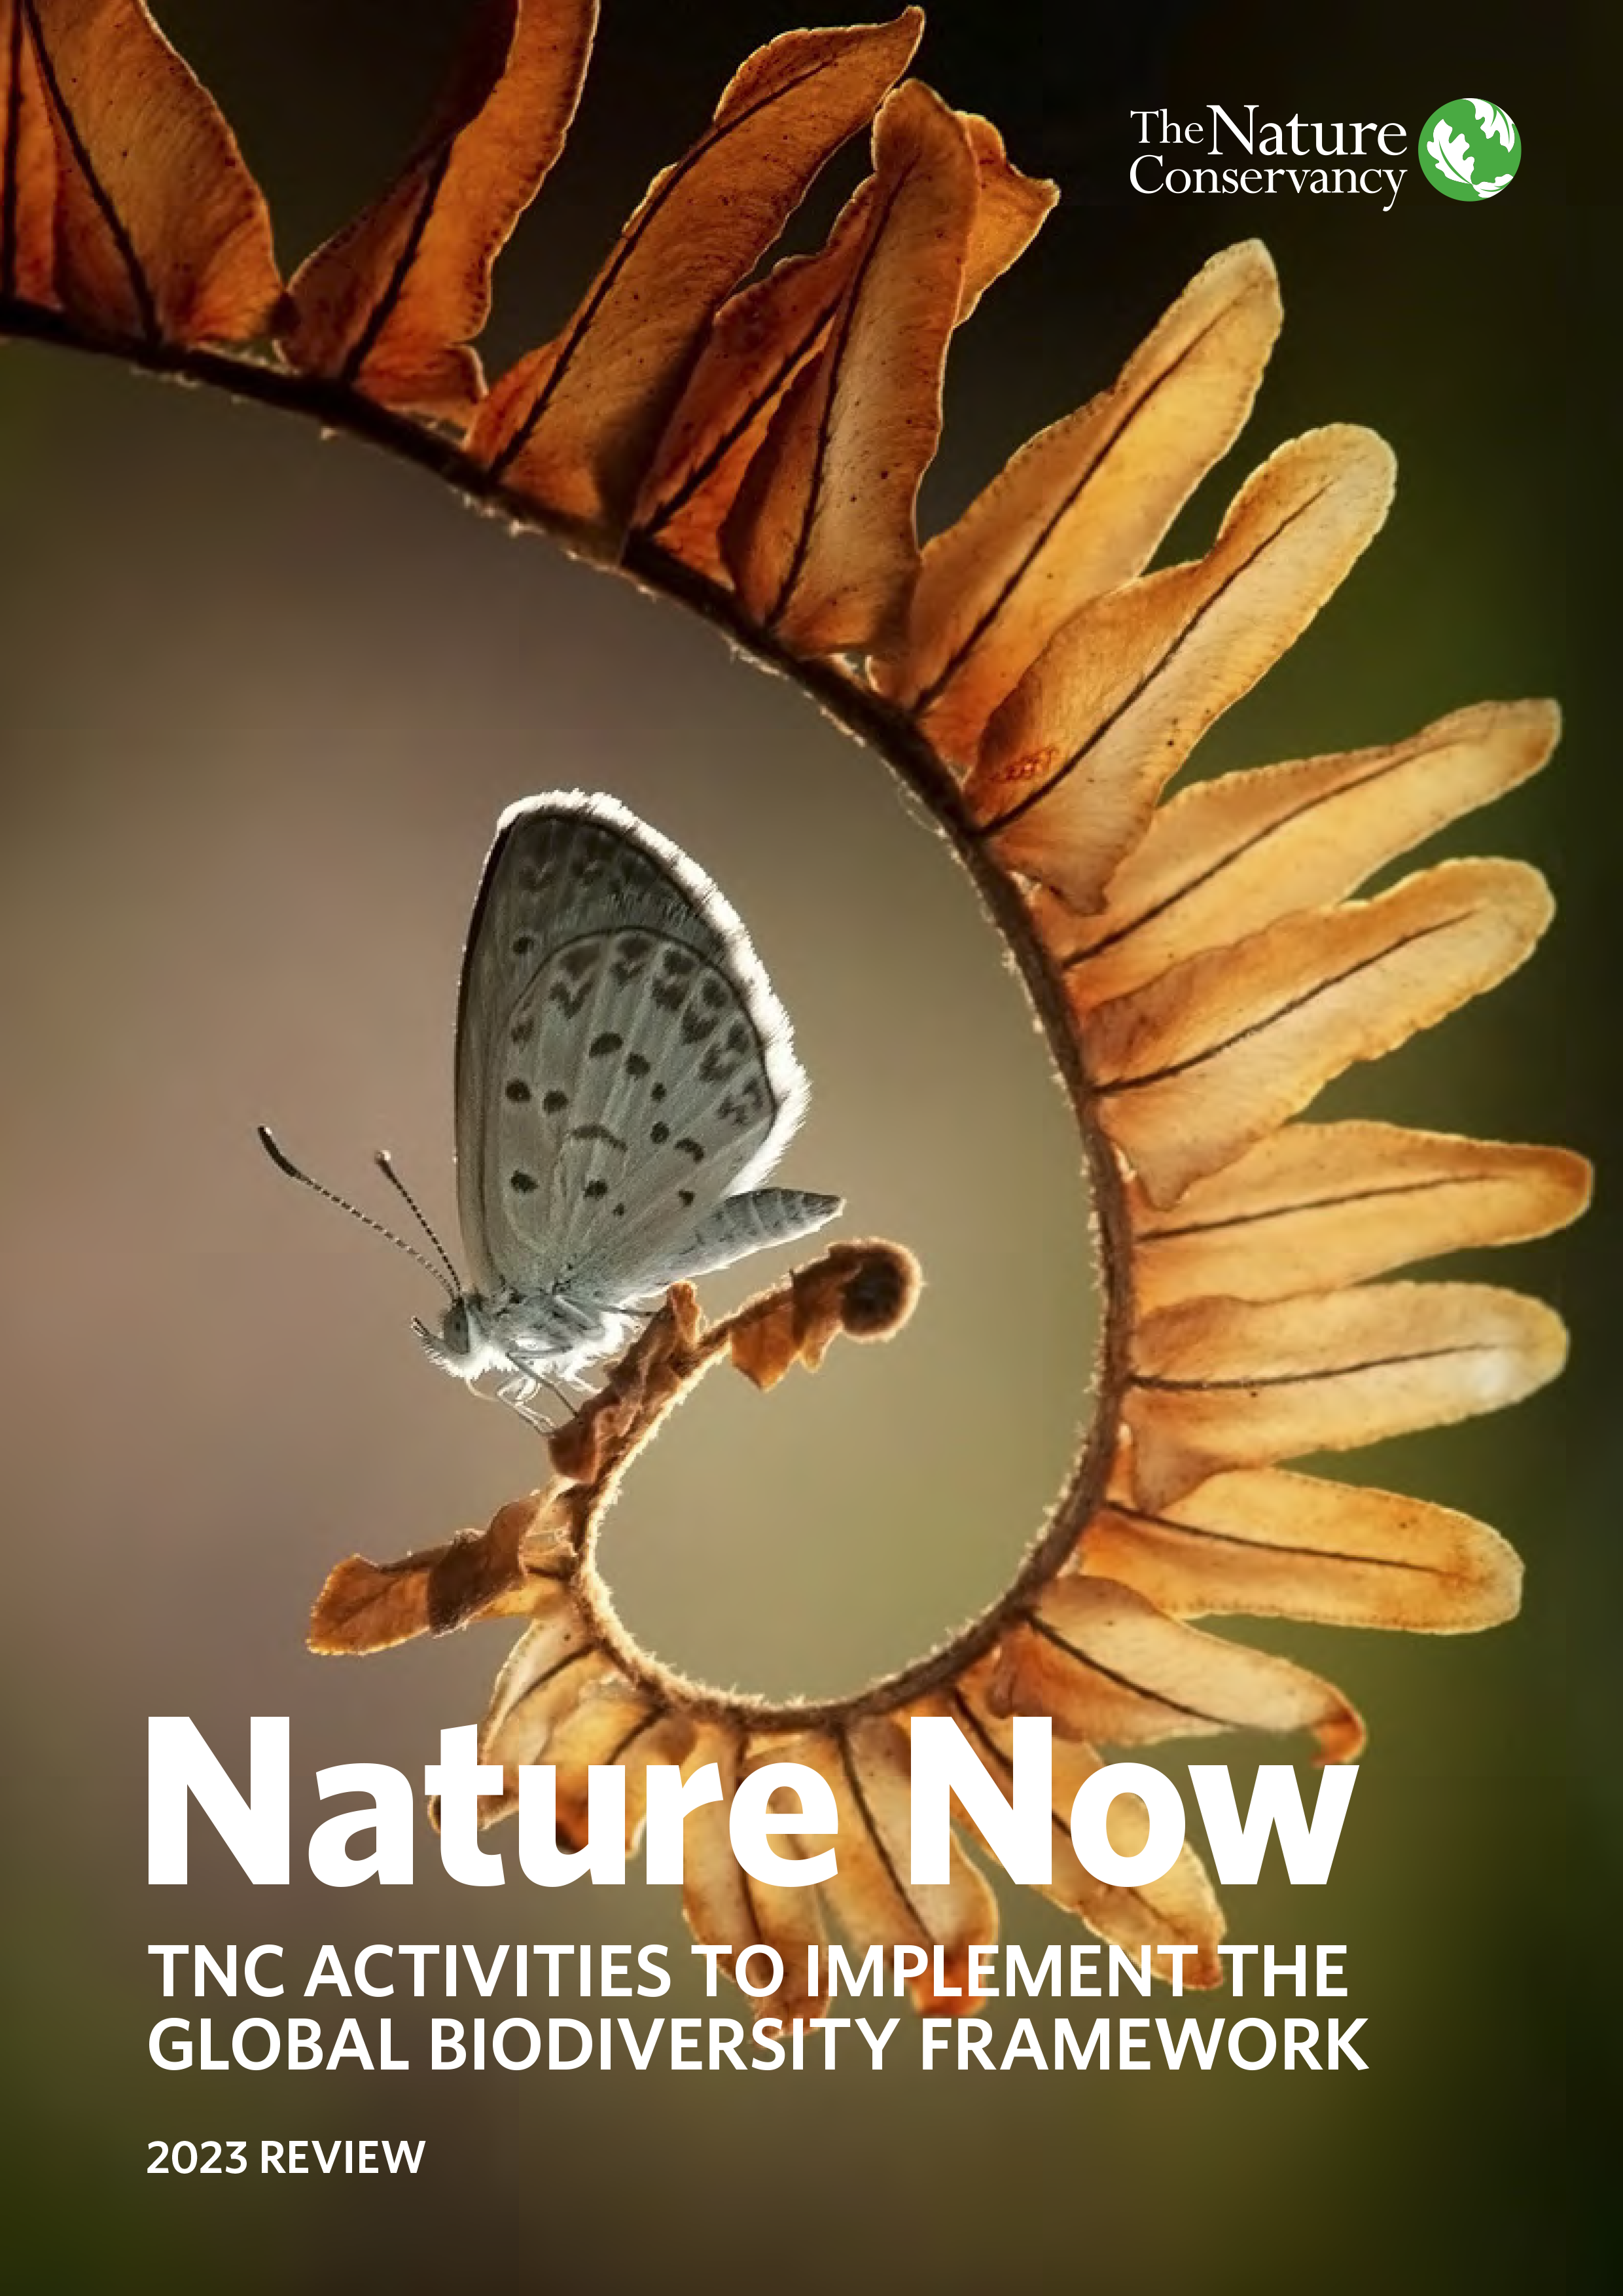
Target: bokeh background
{"points": [[261, 698]]}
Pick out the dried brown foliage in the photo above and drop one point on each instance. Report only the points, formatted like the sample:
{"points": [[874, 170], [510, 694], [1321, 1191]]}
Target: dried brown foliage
{"points": [[753, 442], [393, 302], [866, 1291]]}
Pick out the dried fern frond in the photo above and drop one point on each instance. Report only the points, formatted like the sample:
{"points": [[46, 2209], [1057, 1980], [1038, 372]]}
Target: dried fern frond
{"points": [[751, 442]]}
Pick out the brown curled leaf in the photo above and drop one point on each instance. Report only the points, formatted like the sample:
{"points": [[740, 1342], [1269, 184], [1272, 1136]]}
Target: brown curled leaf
{"points": [[123, 196], [725, 1906], [765, 335], [1268, 1544], [1082, 506], [1181, 1909], [590, 1448], [575, 424], [761, 340], [392, 302], [1073, 761], [1010, 208], [1316, 1206], [552, 1663], [1110, 1666], [579, 1691], [27, 167], [1199, 1065], [487, 1574], [821, 542], [622, 1728], [543, 1675], [867, 1762], [1221, 1383], [1227, 857], [561, 1700], [371, 1606], [867, 1290]]}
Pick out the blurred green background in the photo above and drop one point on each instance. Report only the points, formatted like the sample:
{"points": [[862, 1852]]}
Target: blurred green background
{"points": [[263, 699]]}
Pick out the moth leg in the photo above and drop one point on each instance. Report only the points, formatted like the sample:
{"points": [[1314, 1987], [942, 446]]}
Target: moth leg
{"points": [[515, 1393], [538, 1379]]}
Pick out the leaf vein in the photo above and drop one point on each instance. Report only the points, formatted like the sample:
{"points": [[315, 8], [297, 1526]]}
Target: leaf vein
{"points": [[384, 307], [713, 138], [1234, 853], [1125, 1682], [140, 287], [1267, 1547], [1127, 413], [1303, 1204], [9, 185], [834, 353], [1253, 1382], [1265, 1020], [1128, 701]]}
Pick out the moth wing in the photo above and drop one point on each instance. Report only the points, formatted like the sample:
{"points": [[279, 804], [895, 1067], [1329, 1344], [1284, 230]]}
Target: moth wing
{"points": [[671, 1141], [621, 1061]]}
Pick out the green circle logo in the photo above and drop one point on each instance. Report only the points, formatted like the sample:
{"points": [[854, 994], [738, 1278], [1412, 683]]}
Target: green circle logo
{"points": [[1469, 149]]}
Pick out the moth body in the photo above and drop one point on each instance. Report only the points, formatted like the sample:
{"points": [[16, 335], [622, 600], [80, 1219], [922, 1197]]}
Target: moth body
{"points": [[523, 1339]]}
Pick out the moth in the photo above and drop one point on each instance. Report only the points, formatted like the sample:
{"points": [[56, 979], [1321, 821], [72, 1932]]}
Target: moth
{"points": [[626, 1079]]}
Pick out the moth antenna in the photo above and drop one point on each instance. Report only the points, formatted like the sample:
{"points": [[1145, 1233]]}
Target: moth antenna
{"points": [[385, 1163], [284, 1163]]}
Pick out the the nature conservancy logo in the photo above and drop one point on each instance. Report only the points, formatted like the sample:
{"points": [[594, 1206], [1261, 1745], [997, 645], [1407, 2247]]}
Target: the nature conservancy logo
{"points": [[1469, 149], [1239, 152]]}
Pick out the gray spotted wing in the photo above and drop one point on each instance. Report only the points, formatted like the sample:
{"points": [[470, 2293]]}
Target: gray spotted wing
{"points": [[622, 1066]]}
